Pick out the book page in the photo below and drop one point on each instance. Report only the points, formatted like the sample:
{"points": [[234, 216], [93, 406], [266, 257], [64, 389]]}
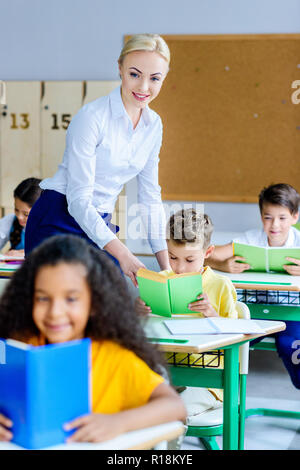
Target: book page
{"points": [[212, 325], [155, 295], [18, 344], [230, 325], [11, 258], [255, 256], [277, 257], [183, 291], [201, 326]]}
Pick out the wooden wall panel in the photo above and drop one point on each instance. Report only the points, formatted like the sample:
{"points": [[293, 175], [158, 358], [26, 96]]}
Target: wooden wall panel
{"points": [[19, 137]]}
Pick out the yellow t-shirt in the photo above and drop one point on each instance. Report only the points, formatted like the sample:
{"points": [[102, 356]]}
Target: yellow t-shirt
{"points": [[221, 293], [120, 379]]}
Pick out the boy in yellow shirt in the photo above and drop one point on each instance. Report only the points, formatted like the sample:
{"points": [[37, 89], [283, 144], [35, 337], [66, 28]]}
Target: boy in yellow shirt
{"points": [[188, 239]]}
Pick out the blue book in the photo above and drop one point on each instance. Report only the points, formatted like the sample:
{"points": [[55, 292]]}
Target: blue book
{"points": [[42, 388]]}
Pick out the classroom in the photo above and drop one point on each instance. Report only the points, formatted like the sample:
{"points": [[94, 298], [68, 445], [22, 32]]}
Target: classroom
{"points": [[226, 125]]}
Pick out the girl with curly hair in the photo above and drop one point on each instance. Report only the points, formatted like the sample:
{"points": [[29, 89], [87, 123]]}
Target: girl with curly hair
{"points": [[66, 290], [12, 226]]}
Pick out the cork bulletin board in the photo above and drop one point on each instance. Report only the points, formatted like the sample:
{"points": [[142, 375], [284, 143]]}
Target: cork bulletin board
{"points": [[229, 124]]}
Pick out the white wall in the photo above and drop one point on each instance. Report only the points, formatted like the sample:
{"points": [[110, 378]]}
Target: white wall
{"points": [[81, 40]]}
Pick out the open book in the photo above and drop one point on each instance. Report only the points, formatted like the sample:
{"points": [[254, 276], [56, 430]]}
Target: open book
{"points": [[265, 258], [212, 325], [168, 293], [42, 388], [9, 258]]}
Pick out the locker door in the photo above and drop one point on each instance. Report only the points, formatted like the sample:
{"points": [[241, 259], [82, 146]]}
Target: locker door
{"points": [[19, 137], [60, 101], [95, 89]]}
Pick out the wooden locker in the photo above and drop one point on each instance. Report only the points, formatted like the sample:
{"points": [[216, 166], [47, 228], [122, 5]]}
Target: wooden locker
{"points": [[60, 101], [19, 137], [95, 89]]}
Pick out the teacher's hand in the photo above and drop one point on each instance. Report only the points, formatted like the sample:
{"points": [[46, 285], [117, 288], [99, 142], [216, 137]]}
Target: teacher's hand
{"points": [[129, 263]]}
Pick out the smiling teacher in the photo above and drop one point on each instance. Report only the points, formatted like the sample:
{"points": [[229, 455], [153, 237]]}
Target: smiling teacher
{"points": [[110, 141]]}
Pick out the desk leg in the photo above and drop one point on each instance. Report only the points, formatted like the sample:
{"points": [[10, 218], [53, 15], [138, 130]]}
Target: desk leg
{"points": [[231, 396]]}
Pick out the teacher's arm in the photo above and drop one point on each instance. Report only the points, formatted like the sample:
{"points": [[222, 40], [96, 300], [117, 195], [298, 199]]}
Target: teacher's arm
{"points": [[151, 206], [83, 136], [128, 262]]}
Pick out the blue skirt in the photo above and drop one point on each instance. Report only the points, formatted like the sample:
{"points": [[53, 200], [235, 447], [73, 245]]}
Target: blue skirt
{"points": [[50, 216]]}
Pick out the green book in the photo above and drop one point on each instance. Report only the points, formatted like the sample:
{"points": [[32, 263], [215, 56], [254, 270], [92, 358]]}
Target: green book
{"points": [[168, 293], [265, 259]]}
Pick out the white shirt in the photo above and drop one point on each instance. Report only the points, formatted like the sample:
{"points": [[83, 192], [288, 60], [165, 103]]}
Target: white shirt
{"points": [[259, 238], [103, 152], [5, 227]]}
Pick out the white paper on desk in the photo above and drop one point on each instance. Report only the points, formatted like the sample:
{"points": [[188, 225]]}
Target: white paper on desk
{"points": [[10, 258], [212, 325]]}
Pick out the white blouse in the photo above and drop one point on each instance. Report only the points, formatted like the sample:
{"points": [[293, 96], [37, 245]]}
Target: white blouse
{"points": [[5, 227], [259, 238], [103, 152]]}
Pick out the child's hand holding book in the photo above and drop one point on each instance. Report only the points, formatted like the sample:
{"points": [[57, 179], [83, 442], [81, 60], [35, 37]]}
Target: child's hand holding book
{"points": [[293, 270], [141, 308], [5, 424], [203, 306], [96, 427], [236, 265]]}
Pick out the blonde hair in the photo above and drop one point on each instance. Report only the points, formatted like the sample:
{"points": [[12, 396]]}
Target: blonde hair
{"points": [[146, 42], [190, 226]]}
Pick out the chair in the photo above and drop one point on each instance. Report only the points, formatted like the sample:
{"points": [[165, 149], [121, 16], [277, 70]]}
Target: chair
{"points": [[3, 284], [268, 344], [209, 424]]}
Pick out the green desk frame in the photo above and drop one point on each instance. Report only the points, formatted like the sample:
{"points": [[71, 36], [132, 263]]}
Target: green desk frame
{"points": [[228, 379], [272, 312]]}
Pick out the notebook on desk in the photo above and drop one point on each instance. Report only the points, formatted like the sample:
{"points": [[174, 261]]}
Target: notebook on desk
{"points": [[213, 325]]}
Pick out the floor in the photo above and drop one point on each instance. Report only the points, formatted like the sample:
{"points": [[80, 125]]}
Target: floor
{"points": [[268, 386]]}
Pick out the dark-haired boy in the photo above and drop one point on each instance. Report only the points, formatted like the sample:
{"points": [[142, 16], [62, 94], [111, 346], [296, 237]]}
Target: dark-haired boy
{"points": [[279, 209]]}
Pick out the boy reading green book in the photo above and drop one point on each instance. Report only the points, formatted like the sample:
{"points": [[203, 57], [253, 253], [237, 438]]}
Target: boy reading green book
{"points": [[279, 210], [168, 293], [188, 240]]}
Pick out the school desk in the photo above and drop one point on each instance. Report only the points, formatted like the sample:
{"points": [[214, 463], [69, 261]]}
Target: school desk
{"points": [[271, 296], [3, 283], [213, 377], [7, 269], [142, 439]]}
